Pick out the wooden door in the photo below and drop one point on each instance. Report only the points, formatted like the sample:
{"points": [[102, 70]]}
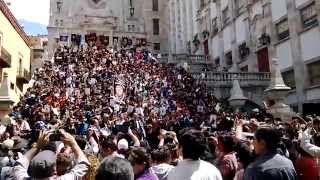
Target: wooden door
{"points": [[263, 60]]}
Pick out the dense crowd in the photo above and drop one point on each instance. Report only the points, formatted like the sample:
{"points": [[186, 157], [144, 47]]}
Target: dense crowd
{"points": [[98, 113]]}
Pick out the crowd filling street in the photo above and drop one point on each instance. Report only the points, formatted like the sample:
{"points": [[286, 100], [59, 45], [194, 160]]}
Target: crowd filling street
{"points": [[118, 114]]}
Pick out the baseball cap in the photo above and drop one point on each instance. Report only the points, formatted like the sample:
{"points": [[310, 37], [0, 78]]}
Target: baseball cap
{"points": [[42, 165], [123, 144]]}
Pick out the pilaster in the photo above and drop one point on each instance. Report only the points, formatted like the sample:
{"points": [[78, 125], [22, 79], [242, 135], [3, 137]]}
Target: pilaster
{"points": [[299, 67]]}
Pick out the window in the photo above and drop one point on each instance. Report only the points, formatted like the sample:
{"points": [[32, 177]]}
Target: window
{"points": [[59, 6], [217, 62], [229, 59], [61, 22], [244, 69], [314, 73], [225, 15], [155, 5], [156, 46], [56, 22], [131, 28], [283, 29], [20, 65], [155, 26], [11, 86], [309, 15], [288, 78]]}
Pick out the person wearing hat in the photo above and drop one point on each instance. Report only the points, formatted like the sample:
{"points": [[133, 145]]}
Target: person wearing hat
{"points": [[37, 164]]}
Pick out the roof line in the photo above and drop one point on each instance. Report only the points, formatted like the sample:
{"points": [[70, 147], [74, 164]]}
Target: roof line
{"points": [[14, 22]]}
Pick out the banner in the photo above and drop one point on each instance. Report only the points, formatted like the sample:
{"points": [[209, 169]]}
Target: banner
{"points": [[64, 38]]}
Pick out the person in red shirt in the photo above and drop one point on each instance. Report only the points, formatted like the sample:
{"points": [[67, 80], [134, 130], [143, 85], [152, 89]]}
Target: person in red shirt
{"points": [[306, 166]]}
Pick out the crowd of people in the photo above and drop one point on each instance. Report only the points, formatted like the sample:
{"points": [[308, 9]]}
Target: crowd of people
{"points": [[99, 113]]}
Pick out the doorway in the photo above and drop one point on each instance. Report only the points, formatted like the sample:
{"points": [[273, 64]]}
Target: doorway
{"points": [[263, 60]]}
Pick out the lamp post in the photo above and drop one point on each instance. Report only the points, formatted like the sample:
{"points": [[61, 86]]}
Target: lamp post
{"points": [[277, 91], [131, 11]]}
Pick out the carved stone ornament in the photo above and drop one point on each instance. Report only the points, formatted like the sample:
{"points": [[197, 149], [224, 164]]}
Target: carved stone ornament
{"points": [[97, 4]]}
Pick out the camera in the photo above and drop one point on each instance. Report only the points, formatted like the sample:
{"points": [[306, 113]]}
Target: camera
{"points": [[55, 136]]}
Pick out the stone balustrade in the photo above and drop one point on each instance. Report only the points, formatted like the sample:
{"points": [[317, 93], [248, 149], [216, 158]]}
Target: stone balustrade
{"points": [[190, 59], [226, 78]]}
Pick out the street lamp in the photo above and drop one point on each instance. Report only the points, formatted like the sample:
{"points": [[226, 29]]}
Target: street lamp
{"points": [[131, 11]]}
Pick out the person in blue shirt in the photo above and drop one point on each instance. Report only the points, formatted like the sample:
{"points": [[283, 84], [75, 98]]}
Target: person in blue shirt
{"points": [[82, 127]]}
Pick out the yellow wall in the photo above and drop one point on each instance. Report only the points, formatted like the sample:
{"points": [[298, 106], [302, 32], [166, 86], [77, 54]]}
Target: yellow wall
{"points": [[17, 47]]}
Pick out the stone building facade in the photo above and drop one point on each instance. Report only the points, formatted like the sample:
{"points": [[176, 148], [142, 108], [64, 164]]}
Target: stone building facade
{"points": [[15, 53], [118, 23], [244, 35], [39, 46]]}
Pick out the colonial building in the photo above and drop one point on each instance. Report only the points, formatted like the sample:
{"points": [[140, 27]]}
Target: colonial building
{"points": [[39, 46], [112, 23], [14, 59], [244, 35]]}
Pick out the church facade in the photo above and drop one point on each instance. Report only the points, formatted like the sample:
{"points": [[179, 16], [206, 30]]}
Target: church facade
{"points": [[110, 23]]}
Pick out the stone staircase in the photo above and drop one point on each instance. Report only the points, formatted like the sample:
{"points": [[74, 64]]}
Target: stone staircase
{"points": [[220, 83]]}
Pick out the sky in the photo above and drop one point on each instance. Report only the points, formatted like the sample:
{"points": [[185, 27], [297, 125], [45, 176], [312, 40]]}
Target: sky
{"points": [[31, 13]]}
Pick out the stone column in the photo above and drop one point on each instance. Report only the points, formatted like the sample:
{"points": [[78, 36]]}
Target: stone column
{"points": [[177, 39], [300, 71], [220, 34], [250, 28], [183, 19], [189, 20], [234, 45], [271, 30], [172, 27], [195, 7]]}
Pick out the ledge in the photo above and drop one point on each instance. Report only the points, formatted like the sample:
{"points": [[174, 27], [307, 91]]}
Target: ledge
{"points": [[282, 41], [308, 28]]}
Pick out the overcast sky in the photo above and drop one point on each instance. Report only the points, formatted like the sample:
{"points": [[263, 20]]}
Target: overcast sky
{"points": [[31, 10]]}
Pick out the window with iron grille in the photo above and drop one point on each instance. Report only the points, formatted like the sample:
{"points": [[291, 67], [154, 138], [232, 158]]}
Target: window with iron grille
{"points": [[288, 78], [217, 62], [314, 73], [229, 59], [155, 5], [244, 69], [309, 15], [155, 26], [283, 29], [156, 46]]}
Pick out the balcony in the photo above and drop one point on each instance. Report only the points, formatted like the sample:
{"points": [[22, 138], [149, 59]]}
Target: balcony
{"points": [[190, 59], [23, 76], [5, 59], [225, 79]]}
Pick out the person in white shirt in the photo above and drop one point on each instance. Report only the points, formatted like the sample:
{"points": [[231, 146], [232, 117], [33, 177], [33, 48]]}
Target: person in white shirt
{"points": [[22, 125], [192, 167]]}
